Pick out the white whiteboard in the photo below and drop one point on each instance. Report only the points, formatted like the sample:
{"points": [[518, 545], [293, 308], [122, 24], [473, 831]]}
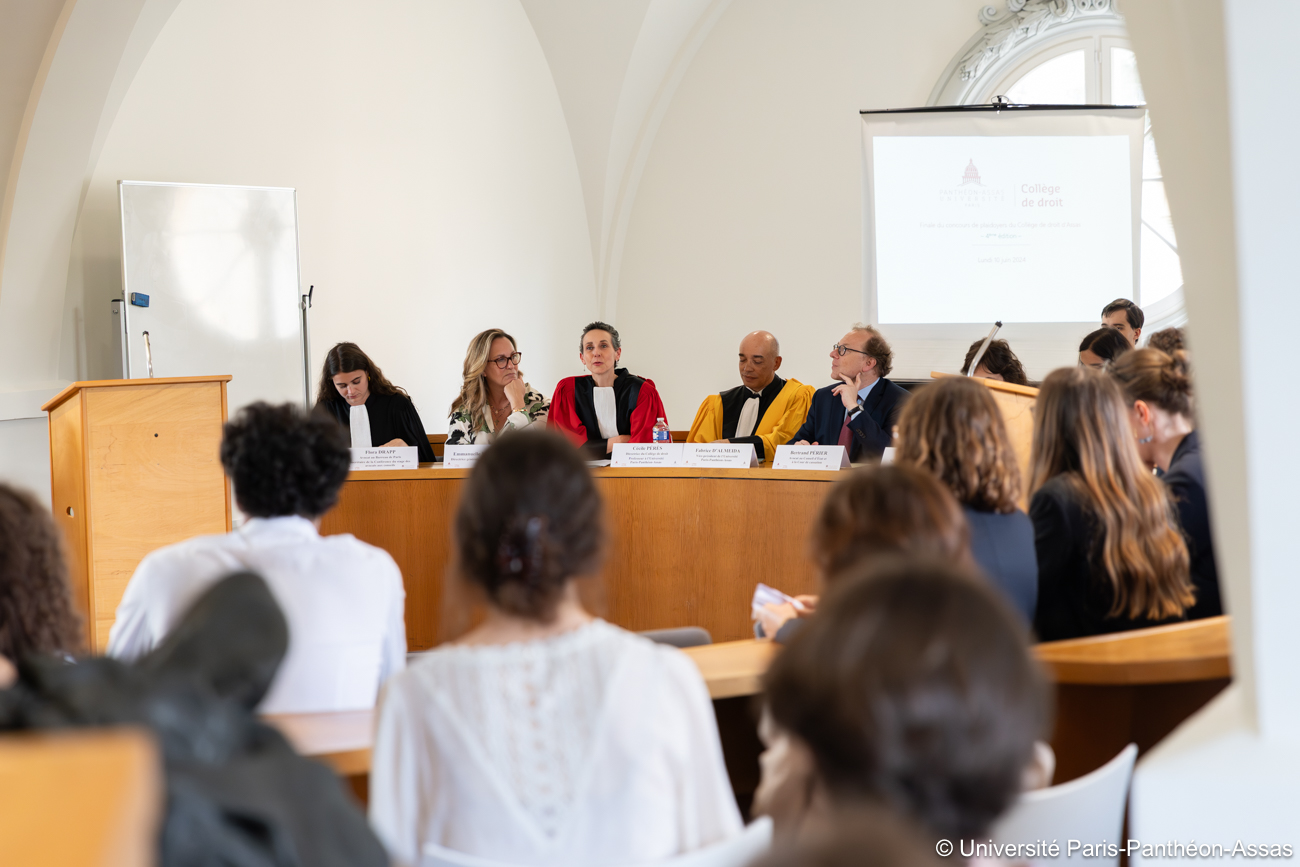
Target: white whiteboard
{"points": [[220, 267]]}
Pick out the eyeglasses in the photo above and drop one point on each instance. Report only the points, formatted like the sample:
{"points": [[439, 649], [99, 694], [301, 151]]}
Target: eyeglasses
{"points": [[840, 349], [502, 360]]}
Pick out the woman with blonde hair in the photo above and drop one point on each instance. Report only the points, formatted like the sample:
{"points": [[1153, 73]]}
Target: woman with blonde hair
{"points": [[1110, 557], [953, 429], [1161, 412], [494, 398]]}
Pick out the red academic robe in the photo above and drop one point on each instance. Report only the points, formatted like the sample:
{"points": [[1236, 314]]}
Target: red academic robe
{"points": [[573, 410]]}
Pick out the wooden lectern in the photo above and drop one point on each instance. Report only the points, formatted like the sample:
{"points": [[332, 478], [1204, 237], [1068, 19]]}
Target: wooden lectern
{"points": [[134, 465], [1017, 405]]}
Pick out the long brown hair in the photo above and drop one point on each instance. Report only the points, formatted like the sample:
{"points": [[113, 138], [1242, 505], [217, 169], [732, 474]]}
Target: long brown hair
{"points": [[888, 509], [953, 428], [36, 614], [1156, 378], [345, 358], [999, 359], [1081, 431], [474, 387]]}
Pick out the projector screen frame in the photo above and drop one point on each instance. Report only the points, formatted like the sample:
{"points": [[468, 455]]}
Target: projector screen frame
{"points": [[870, 308]]}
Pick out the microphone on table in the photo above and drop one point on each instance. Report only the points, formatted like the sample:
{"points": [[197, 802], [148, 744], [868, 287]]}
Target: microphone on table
{"points": [[975, 362]]}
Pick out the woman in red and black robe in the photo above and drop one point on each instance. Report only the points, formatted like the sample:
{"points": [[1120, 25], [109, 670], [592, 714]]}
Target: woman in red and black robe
{"points": [[608, 406]]}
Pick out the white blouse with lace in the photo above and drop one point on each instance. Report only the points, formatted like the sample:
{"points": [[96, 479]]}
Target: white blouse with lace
{"points": [[595, 747]]}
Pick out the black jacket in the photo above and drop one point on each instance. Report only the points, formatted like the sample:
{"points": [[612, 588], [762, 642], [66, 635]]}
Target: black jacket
{"points": [[1003, 546], [1074, 593], [872, 429], [1186, 481], [392, 416]]}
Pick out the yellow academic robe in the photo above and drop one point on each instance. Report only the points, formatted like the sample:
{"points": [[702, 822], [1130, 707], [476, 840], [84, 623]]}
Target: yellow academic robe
{"points": [[783, 418]]}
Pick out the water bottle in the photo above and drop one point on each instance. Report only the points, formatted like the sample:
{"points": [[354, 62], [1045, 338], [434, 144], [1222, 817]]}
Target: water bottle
{"points": [[661, 432]]}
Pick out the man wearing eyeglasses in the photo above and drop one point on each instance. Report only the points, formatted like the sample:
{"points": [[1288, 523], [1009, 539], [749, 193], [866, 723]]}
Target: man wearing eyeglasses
{"points": [[860, 410]]}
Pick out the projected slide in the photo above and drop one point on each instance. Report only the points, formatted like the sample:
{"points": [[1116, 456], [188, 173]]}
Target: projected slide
{"points": [[1017, 228]]}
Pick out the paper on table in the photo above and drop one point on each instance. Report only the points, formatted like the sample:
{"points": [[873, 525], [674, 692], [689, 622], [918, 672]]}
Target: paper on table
{"points": [[462, 457], [765, 595], [386, 458], [810, 458], [359, 422], [887, 456]]}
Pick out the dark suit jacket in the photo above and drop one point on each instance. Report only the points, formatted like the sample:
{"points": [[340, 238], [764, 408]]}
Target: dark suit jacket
{"points": [[1074, 593], [1186, 481], [1003, 546], [873, 429]]}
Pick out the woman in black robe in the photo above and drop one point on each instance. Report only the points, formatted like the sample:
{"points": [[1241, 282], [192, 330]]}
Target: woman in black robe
{"points": [[349, 379]]}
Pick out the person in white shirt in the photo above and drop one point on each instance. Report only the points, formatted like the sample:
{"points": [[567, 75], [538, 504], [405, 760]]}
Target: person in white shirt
{"points": [[343, 599], [545, 736]]}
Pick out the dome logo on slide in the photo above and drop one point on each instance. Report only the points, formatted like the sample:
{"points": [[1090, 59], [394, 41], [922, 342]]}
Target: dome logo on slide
{"points": [[971, 176]]}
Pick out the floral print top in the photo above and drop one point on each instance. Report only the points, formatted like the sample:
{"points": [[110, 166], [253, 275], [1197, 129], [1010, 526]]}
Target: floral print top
{"points": [[461, 431]]}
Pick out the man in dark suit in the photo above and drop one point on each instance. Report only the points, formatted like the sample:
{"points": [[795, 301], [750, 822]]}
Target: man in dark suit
{"points": [[860, 410]]}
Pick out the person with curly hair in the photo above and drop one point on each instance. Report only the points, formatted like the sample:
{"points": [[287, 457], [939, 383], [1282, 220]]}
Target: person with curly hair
{"points": [[343, 599], [953, 429], [36, 613]]}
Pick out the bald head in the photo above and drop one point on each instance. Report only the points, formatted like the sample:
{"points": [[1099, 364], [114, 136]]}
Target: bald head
{"points": [[760, 357]]}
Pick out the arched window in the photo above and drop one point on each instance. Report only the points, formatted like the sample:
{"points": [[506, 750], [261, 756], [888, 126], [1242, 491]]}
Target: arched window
{"points": [[1068, 52]]}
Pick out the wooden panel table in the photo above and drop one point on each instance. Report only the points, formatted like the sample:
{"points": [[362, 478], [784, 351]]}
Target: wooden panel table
{"points": [[686, 545]]}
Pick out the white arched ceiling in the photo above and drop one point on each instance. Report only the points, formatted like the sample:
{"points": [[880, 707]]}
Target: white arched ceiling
{"points": [[616, 67], [93, 49]]}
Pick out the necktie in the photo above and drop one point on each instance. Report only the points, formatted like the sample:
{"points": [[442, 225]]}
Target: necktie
{"points": [[846, 435]]}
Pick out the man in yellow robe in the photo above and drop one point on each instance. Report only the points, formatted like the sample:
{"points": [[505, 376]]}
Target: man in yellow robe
{"points": [[765, 410]]}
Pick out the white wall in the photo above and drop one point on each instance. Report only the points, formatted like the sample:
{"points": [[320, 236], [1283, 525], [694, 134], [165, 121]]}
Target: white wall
{"points": [[25, 443], [437, 189], [749, 213]]}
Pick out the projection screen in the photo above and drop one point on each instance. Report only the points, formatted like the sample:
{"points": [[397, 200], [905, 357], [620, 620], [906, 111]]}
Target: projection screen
{"points": [[1028, 215]]}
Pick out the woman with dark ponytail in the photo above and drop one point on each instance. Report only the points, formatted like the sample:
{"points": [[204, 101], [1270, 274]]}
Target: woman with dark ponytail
{"points": [[1158, 388], [545, 735]]}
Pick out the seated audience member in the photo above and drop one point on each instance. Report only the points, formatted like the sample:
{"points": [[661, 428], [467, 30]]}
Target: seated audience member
{"points": [[855, 836], [888, 509], [545, 735], [1101, 347], [609, 405], [953, 429], [913, 690], [858, 412], [765, 410], [343, 599], [998, 362], [1159, 391], [1168, 341], [493, 397], [350, 379], [1125, 317], [1110, 557], [36, 614]]}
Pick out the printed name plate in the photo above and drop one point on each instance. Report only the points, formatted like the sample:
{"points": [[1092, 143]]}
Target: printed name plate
{"points": [[810, 458], [385, 458], [647, 455], [461, 457], [721, 455], [887, 456]]}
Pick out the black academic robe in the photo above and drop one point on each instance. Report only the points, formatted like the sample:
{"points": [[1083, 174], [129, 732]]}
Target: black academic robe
{"points": [[392, 416], [733, 401]]}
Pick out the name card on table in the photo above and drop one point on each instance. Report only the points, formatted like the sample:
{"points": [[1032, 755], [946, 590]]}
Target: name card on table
{"points": [[462, 457], [721, 455], [887, 456], [647, 455], [811, 458], [386, 458]]}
